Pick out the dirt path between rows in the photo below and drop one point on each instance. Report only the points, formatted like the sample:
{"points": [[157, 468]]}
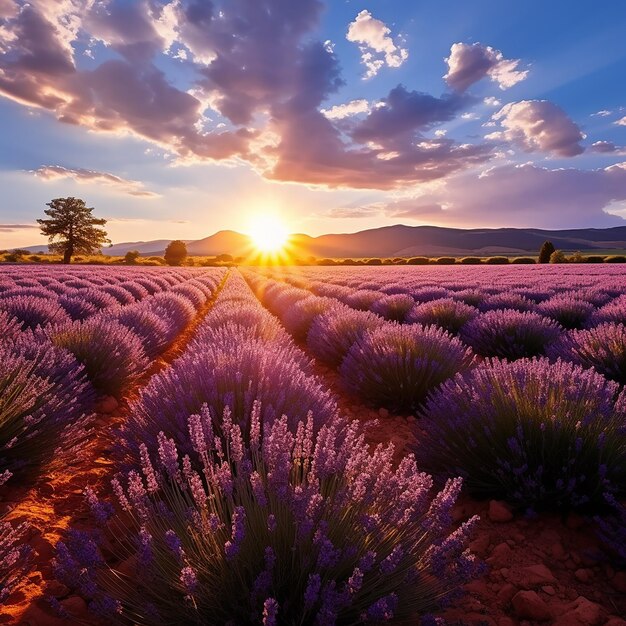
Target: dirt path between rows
{"points": [[55, 503]]}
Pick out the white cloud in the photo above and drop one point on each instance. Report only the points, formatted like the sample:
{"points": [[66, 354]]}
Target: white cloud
{"points": [[621, 121], [377, 46], [341, 111]]}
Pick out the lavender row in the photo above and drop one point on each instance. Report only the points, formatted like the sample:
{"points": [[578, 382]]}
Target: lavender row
{"points": [[43, 298], [503, 325], [244, 498]]}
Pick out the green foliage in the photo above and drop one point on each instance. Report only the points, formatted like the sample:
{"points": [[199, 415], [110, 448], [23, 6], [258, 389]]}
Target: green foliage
{"points": [[497, 260], [445, 260], [130, 258], [176, 252], [523, 260], [71, 228], [615, 258], [546, 251], [374, 262], [470, 260], [417, 260], [577, 257], [558, 256], [595, 258]]}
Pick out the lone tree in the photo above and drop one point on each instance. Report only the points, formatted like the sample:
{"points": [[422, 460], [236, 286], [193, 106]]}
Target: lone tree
{"points": [[72, 229], [546, 252], [176, 252]]}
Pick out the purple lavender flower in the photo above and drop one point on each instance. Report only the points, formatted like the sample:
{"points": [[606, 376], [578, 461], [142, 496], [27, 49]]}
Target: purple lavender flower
{"points": [[397, 366], [446, 313]]}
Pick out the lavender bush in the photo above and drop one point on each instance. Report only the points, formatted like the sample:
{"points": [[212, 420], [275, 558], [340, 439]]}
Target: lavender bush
{"points": [[113, 355], [510, 334], [332, 333], [291, 529], [446, 313], [396, 366], [15, 557], [299, 317], [10, 325], [537, 433], [612, 529], [33, 312], [232, 371], [602, 347], [569, 312], [614, 311], [393, 307]]}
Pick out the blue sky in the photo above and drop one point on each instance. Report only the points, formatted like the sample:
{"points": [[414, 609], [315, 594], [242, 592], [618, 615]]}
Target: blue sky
{"points": [[175, 119]]}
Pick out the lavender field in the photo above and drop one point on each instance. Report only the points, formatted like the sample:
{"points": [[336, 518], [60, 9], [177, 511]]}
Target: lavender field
{"points": [[313, 445]]}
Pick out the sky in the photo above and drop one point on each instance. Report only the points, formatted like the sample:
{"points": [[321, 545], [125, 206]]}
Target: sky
{"points": [[179, 118]]}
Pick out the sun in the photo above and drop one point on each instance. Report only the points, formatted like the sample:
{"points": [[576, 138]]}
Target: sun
{"points": [[268, 233]]}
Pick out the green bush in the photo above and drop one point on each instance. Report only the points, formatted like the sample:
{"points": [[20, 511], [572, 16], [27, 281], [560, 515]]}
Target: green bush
{"points": [[497, 260], [523, 260], [558, 256], [445, 260], [471, 260], [595, 258], [131, 257], [417, 260], [374, 262], [615, 258]]}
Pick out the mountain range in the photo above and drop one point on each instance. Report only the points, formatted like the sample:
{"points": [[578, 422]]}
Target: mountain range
{"points": [[398, 241]]}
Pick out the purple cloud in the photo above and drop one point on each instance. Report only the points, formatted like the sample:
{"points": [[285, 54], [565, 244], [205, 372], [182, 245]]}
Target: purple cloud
{"points": [[521, 196], [538, 125], [469, 63]]}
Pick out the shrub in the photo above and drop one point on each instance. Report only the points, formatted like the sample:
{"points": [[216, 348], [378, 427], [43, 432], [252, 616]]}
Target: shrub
{"points": [[333, 333], [446, 313], [539, 434], [614, 311], [445, 260], [374, 262], [136, 289], [593, 258], [11, 326], [298, 318], [506, 300], [156, 332], [15, 557], [123, 296], [615, 258], [131, 257], [497, 260], [175, 308], [33, 312], [510, 334], [567, 311], [602, 347], [293, 529], [362, 299], [393, 307], [77, 307], [397, 366], [471, 260], [523, 260], [175, 253], [45, 399], [417, 260], [558, 256], [113, 355], [230, 373]]}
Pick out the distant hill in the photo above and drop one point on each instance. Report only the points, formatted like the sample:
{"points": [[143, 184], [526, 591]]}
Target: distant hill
{"points": [[400, 240]]}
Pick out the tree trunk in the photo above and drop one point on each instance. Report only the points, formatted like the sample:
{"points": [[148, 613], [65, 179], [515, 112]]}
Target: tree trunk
{"points": [[67, 255]]}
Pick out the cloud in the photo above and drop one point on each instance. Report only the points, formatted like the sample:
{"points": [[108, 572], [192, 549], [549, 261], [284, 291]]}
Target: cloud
{"points": [[538, 125], [607, 147], [341, 111], [469, 63], [621, 121], [80, 175], [12, 228], [521, 196], [375, 43], [602, 113]]}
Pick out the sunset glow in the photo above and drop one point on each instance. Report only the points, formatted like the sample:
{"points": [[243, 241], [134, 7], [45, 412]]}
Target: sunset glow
{"points": [[268, 233]]}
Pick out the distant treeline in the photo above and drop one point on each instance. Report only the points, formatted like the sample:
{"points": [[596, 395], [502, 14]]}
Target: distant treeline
{"points": [[133, 258]]}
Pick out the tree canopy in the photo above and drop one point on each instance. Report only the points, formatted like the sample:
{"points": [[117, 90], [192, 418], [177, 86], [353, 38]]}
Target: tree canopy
{"points": [[546, 252], [176, 252], [72, 229]]}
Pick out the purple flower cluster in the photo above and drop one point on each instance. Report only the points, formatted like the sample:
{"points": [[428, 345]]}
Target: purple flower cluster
{"points": [[509, 334], [397, 366], [612, 529], [602, 348], [15, 557], [446, 313], [536, 433], [566, 310], [227, 365], [290, 527]]}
